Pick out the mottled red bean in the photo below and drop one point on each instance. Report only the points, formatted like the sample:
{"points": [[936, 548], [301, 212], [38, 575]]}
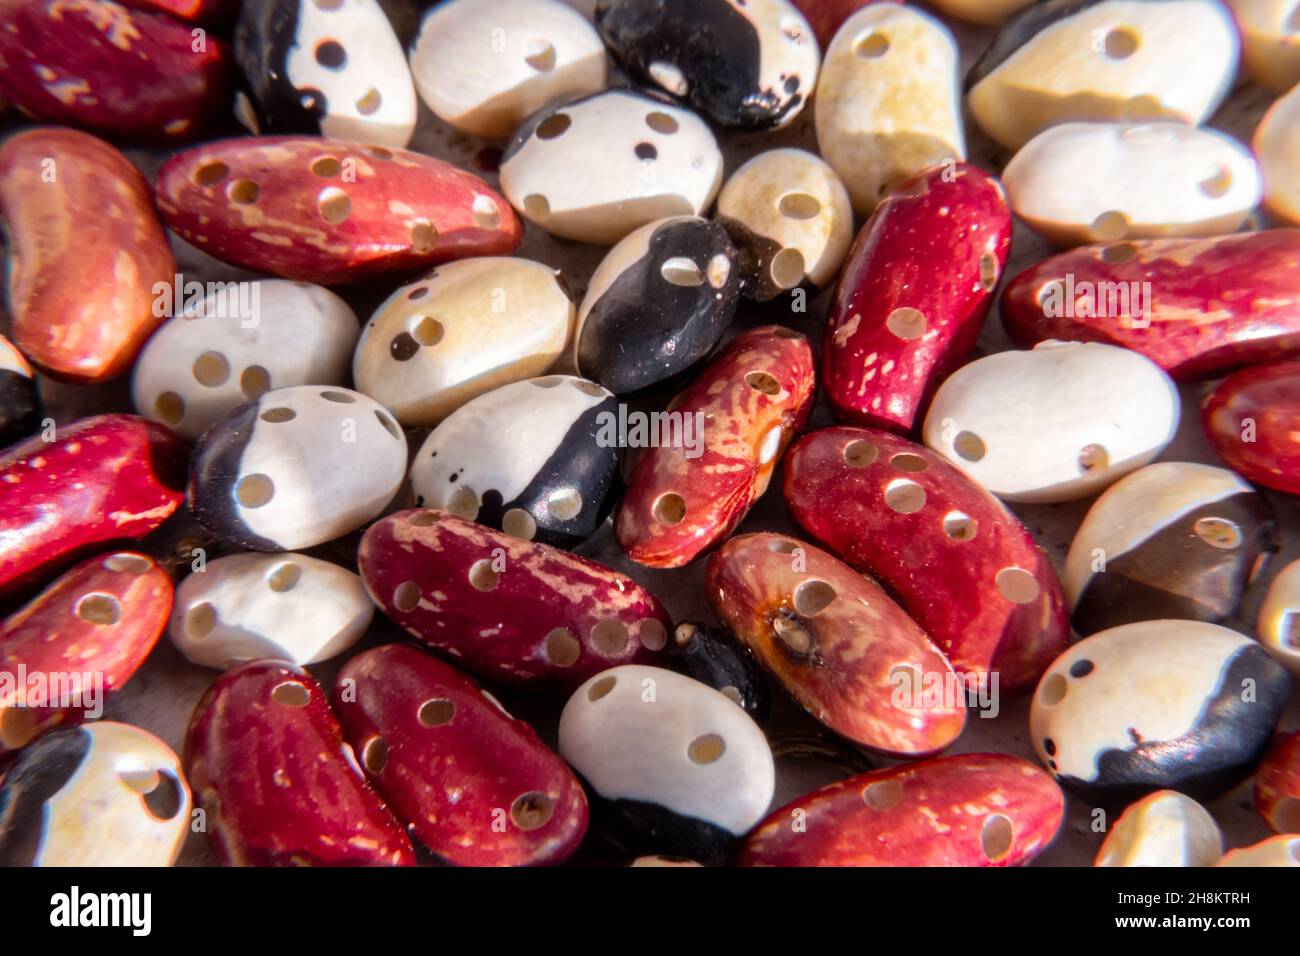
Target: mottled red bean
{"points": [[1253, 420], [129, 74], [476, 785], [505, 609], [837, 642], [278, 785], [967, 810], [737, 417], [959, 562], [1195, 307], [86, 633], [913, 294], [328, 211], [106, 478], [86, 249]]}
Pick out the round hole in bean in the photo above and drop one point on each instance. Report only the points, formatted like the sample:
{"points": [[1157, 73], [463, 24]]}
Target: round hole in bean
{"points": [[406, 596], [609, 637], [882, 794], [860, 453], [284, 577], [375, 754], [997, 836], [1053, 690], [706, 749], [291, 694], [904, 496], [907, 323], [670, 508], [1218, 533], [483, 576], [601, 688], [102, 609], [1017, 585], [813, 597], [437, 712], [562, 648]]}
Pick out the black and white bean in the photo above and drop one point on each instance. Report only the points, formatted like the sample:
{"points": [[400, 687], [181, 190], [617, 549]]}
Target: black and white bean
{"points": [[296, 467], [332, 67], [657, 304], [683, 769], [1172, 540], [750, 64], [790, 215], [529, 458], [102, 794], [1178, 705]]}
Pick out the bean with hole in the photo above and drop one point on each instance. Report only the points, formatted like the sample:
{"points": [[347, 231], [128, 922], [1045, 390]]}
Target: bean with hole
{"points": [[837, 643], [1056, 423], [714, 657], [273, 481], [259, 334], [913, 295], [250, 201], [261, 745], [486, 81], [287, 607], [888, 104], [459, 332], [1171, 540], [533, 459], [335, 70], [94, 625], [789, 214], [686, 496], [1222, 302], [642, 158], [1162, 704], [550, 620], [475, 785], [1103, 61], [972, 810], [687, 773], [103, 794], [747, 66], [1131, 181], [942, 561], [657, 304]]}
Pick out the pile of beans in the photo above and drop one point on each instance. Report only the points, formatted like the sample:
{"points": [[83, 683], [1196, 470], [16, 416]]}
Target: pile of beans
{"points": [[691, 310]]}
